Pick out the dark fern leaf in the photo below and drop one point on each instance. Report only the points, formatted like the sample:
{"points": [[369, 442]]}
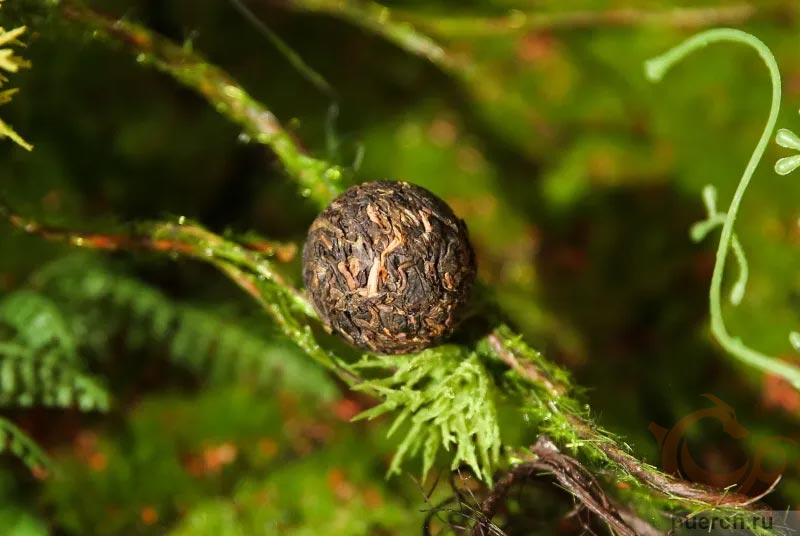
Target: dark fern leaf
{"points": [[104, 302], [39, 363], [36, 322], [16, 442]]}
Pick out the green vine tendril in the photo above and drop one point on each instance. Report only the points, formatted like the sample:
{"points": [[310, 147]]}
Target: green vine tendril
{"points": [[655, 70]]}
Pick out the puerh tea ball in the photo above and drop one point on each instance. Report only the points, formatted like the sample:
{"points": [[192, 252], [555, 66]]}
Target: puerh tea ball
{"points": [[389, 267]]}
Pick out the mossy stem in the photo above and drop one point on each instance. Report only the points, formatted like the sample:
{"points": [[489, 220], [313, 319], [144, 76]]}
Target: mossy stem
{"points": [[250, 270], [318, 179], [517, 355]]}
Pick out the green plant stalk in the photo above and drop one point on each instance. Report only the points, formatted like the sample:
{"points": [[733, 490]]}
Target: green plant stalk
{"points": [[570, 425], [202, 244], [296, 61], [655, 69], [318, 179], [377, 19], [518, 21]]}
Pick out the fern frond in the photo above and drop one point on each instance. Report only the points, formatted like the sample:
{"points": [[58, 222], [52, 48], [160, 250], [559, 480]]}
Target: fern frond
{"points": [[15, 441], [37, 322], [104, 302], [27, 378], [39, 362], [448, 399]]}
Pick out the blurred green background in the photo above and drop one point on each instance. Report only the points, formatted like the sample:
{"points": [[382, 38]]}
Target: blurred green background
{"points": [[578, 180]]}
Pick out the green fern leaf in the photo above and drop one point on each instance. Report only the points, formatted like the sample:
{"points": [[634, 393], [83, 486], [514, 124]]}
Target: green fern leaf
{"points": [[37, 322], [15, 441], [39, 362], [448, 400], [103, 303]]}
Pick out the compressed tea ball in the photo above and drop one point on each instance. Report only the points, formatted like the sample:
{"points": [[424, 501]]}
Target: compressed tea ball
{"points": [[389, 267]]}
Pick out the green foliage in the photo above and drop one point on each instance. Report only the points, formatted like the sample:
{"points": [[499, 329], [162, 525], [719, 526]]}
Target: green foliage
{"points": [[448, 400], [37, 323], [306, 498], [39, 363], [286, 468], [17, 522], [80, 305], [166, 456], [104, 302], [788, 139], [15, 441], [530, 89], [16, 517]]}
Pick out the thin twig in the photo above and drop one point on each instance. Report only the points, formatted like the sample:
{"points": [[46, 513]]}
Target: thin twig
{"points": [[406, 29], [182, 237], [527, 370], [378, 19], [521, 21], [318, 179]]}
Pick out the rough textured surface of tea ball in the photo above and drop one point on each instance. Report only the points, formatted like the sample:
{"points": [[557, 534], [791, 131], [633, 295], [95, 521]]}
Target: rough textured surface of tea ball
{"points": [[389, 267]]}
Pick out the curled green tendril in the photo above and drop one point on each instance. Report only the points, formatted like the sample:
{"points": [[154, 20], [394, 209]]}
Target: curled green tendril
{"points": [[715, 219], [655, 70]]}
